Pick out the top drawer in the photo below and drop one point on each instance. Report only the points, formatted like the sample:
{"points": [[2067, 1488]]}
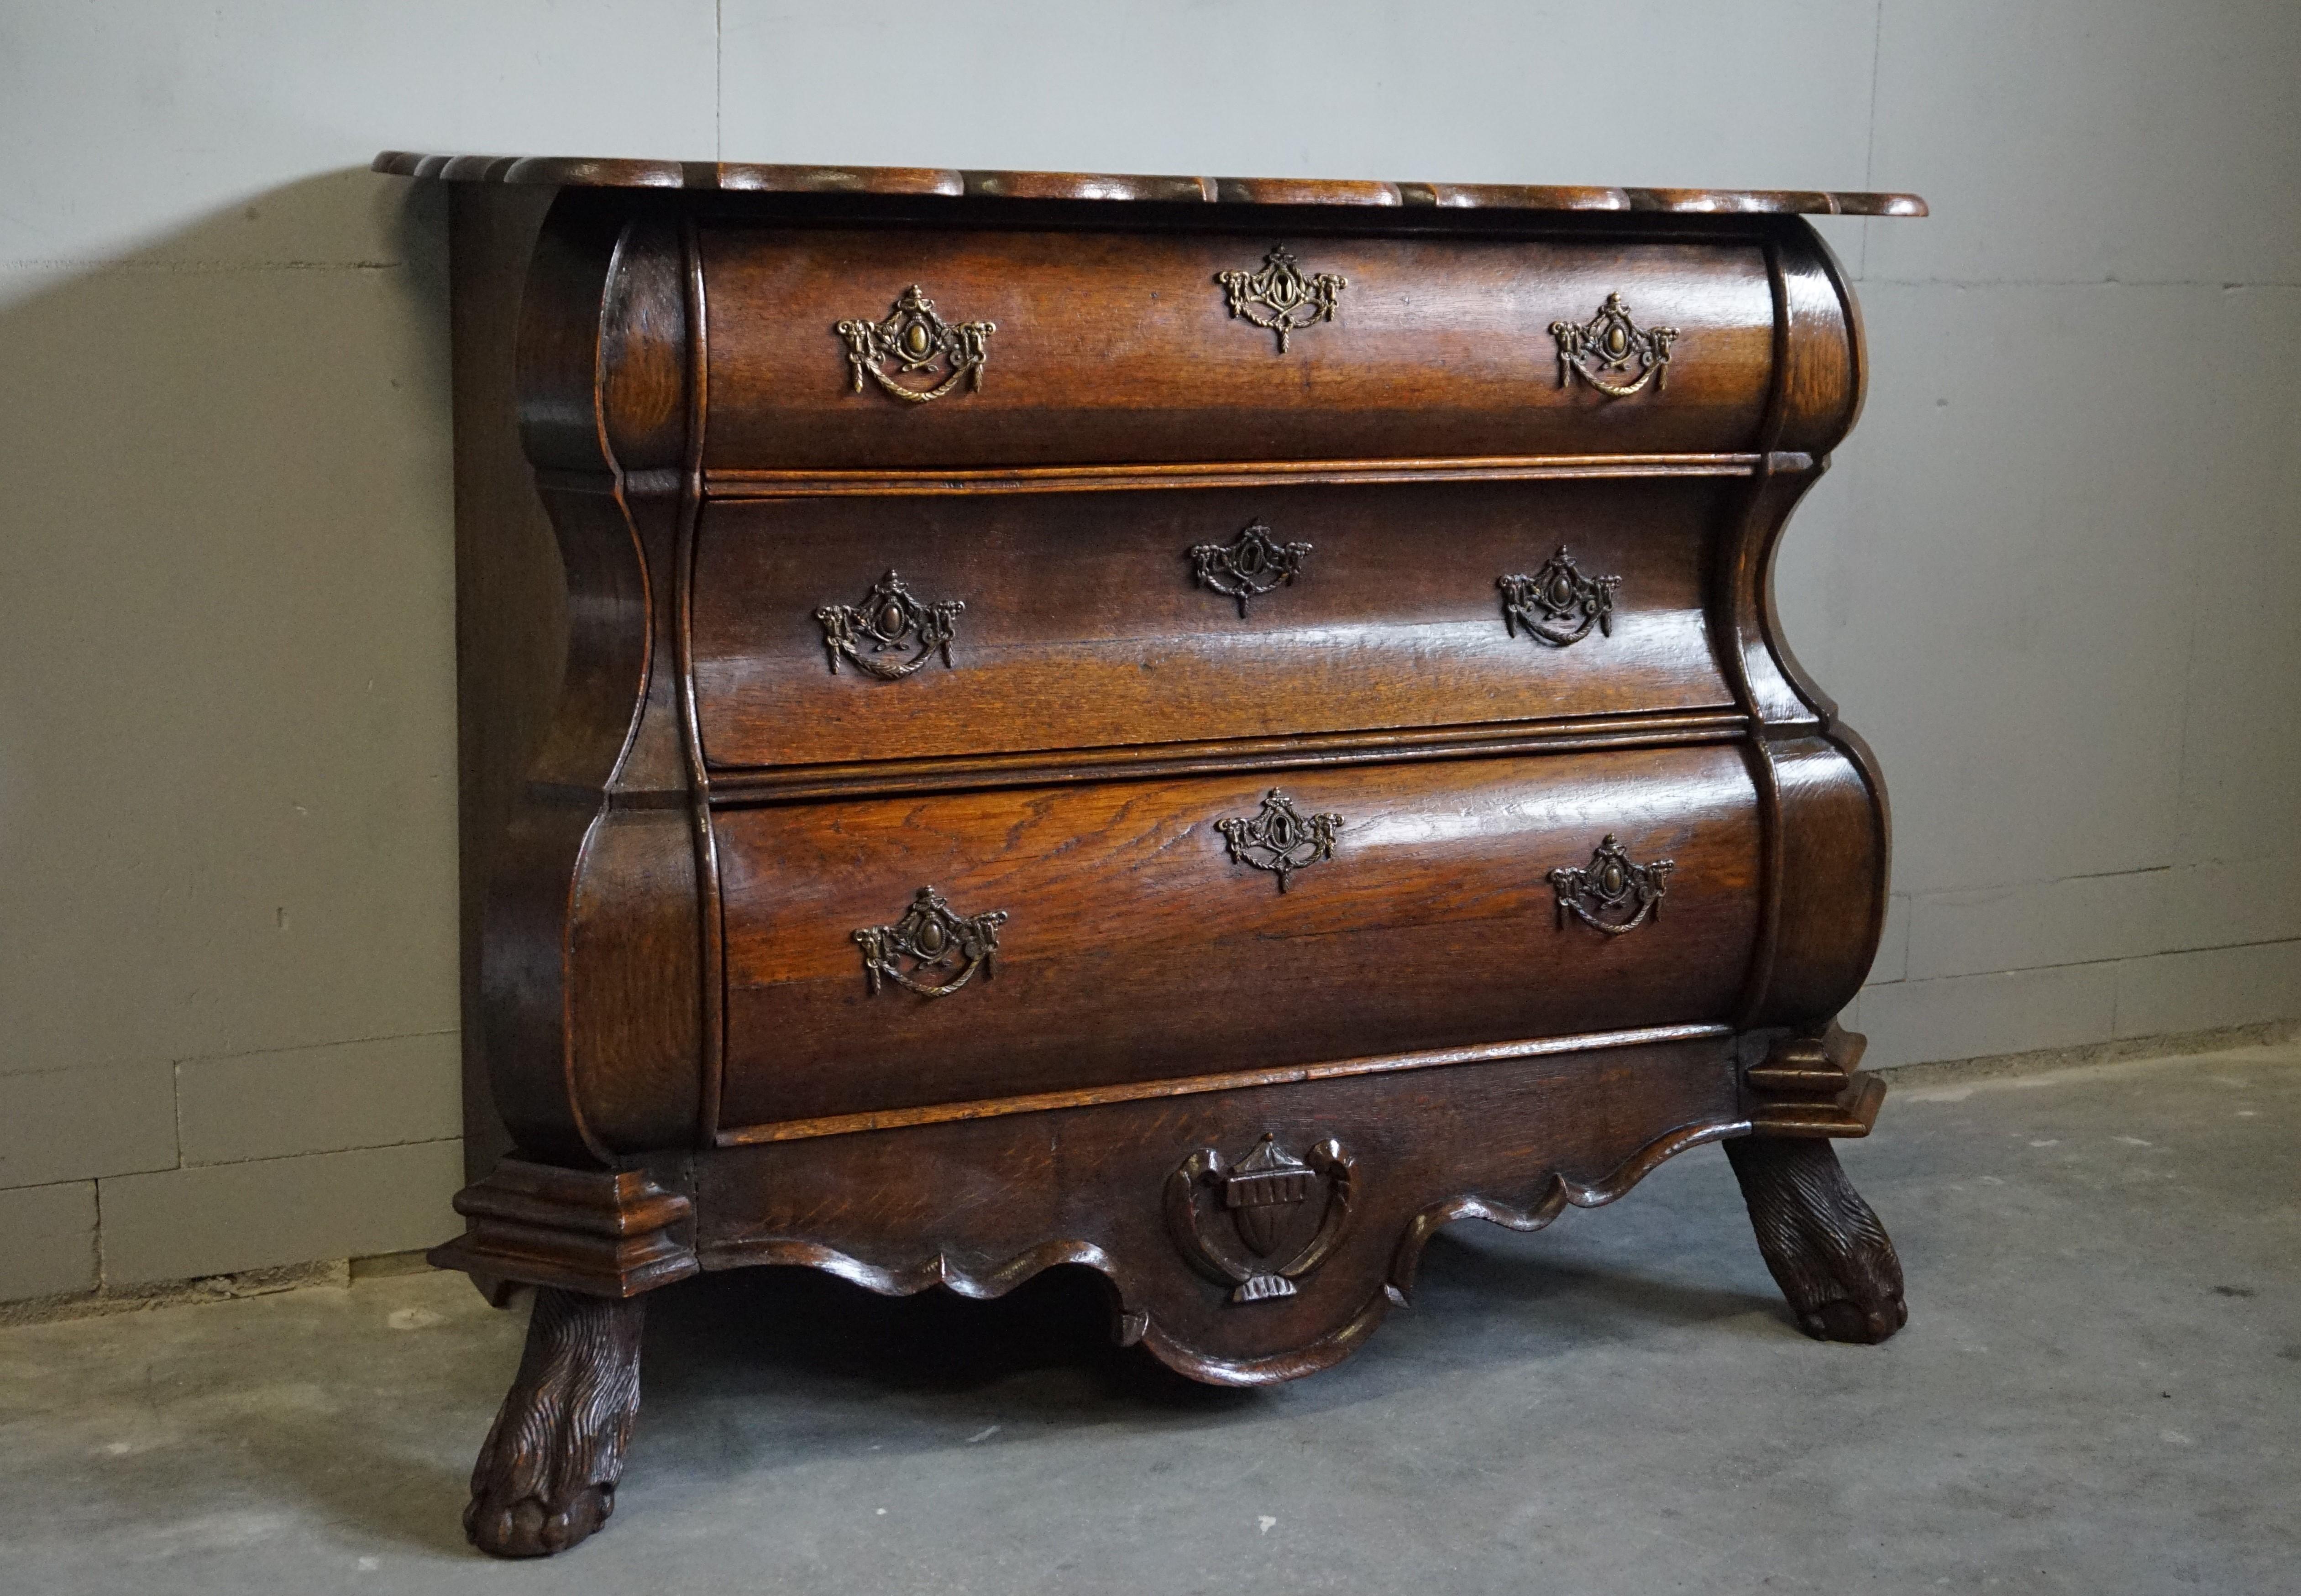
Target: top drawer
{"points": [[1122, 348]]}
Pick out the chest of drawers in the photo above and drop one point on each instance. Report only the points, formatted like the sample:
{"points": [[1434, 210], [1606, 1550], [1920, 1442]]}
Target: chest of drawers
{"points": [[1200, 728]]}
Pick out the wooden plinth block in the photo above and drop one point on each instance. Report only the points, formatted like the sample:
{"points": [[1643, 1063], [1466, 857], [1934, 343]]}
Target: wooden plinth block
{"points": [[602, 1233], [1808, 1085]]}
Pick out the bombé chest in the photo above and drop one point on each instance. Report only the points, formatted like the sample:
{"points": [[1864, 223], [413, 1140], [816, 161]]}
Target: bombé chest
{"points": [[1199, 728]]}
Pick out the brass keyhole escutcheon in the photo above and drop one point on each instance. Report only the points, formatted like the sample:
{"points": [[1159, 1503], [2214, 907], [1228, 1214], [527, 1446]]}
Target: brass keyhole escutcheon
{"points": [[1280, 297], [1558, 605], [914, 341], [1612, 893], [931, 951], [1601, 351], [1279, 838], [890, 621], [1249, 565]]}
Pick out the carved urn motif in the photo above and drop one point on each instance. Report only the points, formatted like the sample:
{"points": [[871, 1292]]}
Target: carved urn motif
{"points": [[1262, 1197]]}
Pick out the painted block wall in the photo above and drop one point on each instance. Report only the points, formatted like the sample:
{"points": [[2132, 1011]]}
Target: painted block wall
{"points": [[2055, 576]]}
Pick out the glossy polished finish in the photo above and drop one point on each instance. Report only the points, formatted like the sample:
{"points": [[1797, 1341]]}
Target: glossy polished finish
{"points": [[751, 178], [1137, 946], [1204, 741], [1088, 625], [1438, 348]]}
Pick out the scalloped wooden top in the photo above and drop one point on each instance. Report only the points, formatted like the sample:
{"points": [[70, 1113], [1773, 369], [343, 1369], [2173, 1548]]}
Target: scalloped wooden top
{"points": [[747, 177]]}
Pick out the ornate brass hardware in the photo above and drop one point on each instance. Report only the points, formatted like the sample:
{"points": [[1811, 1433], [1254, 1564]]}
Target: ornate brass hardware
{"points": [[1610, 893], [1249, 565], [1265, 1194], [1280, 838], [888, 621], [1558, 605], [1610, 341], [1279, 298], [913, 339], [932, 939]]}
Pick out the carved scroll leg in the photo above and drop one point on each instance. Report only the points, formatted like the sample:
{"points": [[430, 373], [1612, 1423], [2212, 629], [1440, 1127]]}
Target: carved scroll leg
{"points": [[547, 1475], [1827, 1251]]}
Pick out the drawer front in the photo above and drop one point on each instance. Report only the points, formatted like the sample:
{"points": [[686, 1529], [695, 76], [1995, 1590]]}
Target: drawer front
{"points": [[1088, 620], [1141, 939], [1114, 347]]}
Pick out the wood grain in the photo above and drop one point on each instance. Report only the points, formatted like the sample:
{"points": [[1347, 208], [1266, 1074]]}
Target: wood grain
{"points": [[511, 605], [1085, 628], [1136, 949], [753, 177], [1119, 347], [732, 483], [671, 1000], [547, 1475], [980, 1206]]}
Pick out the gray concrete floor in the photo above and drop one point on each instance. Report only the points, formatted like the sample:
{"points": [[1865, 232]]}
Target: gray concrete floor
{"points": [[2099, 1391]]}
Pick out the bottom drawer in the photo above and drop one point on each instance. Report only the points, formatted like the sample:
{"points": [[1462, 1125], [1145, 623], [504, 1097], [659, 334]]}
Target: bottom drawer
{"points": [[1089, 936]]}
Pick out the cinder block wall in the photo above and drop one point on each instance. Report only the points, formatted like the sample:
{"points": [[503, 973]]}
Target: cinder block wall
{"points": [[2054, 577]]}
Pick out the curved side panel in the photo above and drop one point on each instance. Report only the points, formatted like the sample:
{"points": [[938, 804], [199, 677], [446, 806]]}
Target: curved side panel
{"points": [[523, 963], [561, 308], [1825, 806], [634, 976], [1831, 882], [1817, 392], [1774, 689], [590, 966], [1824, 364]]}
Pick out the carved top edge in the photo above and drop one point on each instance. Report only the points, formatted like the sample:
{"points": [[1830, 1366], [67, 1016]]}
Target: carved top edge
{"points": [[749, 178]]}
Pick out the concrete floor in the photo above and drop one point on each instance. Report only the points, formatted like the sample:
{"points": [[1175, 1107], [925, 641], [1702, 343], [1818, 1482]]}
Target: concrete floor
{"points": [[2099, 1391]]}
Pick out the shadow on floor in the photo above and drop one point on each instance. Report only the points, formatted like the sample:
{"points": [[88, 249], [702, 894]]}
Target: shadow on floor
{"points": [[757, 1372], [772, 1332], [765, 1331]]}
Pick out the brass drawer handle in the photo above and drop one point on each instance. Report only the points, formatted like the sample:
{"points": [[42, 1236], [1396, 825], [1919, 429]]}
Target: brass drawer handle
{"points": [[1249, 565], [1610, 893], [1610, 341], [1279, 298], [932, 939], [1280, 838], [914, 340], [888, 621], [1558, 605]]}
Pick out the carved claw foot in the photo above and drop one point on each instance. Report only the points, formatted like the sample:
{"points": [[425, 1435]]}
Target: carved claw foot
{"points": [[547, 1475], [1827, 1251]]}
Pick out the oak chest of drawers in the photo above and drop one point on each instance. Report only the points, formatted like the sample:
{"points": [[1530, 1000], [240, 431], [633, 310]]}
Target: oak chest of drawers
{"points": [[1194, 728]]}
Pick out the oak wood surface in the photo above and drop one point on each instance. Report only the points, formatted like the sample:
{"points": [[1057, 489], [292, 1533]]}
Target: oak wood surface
{"points": [[1823, 1243], [754, 178], [981, 1206], [1297, 750], [511, 618], [1137, 949], [1116, 346], [592, 968], [547, 1473], [1086, 627], [734, 484], [1247, 1108]]}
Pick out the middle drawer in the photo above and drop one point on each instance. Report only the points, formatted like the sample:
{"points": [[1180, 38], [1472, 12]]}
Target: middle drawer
{"points": [[854, 627]]}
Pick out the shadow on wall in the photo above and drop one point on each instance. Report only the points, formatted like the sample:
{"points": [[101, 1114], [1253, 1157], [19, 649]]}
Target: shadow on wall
{"points": [[227, 823]]}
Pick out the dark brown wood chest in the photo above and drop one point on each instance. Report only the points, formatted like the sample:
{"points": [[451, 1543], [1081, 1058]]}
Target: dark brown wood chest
{"points": [[1198, 728]]}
